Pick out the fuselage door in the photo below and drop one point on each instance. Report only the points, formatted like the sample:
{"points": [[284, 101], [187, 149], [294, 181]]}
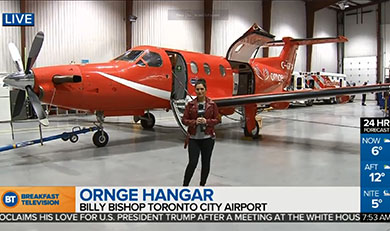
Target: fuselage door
{"points": [[244, 47], [179, 75]]}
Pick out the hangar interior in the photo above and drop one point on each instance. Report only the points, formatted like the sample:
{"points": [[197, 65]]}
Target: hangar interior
{"points": [[300, 146]]}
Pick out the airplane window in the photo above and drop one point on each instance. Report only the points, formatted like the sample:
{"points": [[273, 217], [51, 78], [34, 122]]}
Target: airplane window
{"points": [[152, 59], [238, 48], [194, 67], [206, 68], [222, 70], [130, 56]]}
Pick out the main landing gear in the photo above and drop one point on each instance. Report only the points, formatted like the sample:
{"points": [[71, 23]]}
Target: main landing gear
{"points": [[254, 133], [251, 127], [147, 120], [100, 138]]}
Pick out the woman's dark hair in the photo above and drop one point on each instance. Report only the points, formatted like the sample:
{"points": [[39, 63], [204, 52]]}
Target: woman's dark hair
{"points": [[201, 81]]}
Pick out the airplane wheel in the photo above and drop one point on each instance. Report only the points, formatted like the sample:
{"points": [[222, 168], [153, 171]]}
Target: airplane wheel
{"points": [[149, 121], [100, 138], [309, 103], [74, 138], [254, 134]]}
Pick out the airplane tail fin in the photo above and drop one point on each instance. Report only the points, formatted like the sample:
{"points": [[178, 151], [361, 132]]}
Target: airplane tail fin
{"points": [[287, 57]]}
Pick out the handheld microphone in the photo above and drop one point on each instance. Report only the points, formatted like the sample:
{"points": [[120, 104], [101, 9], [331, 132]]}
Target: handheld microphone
{"points": [[201, 111]]}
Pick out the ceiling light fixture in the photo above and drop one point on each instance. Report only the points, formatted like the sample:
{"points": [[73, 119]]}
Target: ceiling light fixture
{"points": [[343, 4]]}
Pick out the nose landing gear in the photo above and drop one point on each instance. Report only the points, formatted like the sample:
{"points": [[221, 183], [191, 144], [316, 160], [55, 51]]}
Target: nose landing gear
{"points": [[100, 138]]}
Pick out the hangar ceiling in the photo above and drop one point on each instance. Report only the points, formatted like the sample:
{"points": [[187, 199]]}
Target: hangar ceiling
{"points": [[343, 5]]}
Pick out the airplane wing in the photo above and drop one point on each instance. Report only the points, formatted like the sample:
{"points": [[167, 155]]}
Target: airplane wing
{"points": [[296, 95]]}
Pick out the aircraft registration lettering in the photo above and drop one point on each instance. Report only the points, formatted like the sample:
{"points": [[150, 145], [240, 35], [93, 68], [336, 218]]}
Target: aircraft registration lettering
{"points": [[286, 65]]}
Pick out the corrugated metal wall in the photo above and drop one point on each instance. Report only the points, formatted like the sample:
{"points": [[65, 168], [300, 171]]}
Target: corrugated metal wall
{"points": [[76, 30], [7, 35], [288, 19], [325, 26], [235, 18], [170, 24], [361, 33]]}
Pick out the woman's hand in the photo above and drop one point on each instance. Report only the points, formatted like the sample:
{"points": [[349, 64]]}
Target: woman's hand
{"points": [[200, 120]]}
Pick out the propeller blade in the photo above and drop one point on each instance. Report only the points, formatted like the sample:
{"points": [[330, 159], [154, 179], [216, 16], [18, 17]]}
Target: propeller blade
{"points": [[19, 103], [16, 57], [36, 103], [34, 51]]}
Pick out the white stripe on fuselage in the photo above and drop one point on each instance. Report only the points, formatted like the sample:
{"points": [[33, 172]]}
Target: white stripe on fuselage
{"points": [[139, 87]]}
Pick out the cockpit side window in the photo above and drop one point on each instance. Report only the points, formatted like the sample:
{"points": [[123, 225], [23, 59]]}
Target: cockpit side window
{"points": [[152, 59], [130, 56], [141, 63]]}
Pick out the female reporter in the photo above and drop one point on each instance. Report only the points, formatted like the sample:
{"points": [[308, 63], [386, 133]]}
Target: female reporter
{"points": [[200, 115]]}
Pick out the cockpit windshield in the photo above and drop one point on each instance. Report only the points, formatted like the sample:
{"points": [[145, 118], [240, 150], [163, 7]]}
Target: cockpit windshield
{"points": [[130, 56]]}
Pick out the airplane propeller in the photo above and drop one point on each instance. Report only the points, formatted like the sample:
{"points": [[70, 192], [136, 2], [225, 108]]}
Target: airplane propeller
{"points": [[24, 79]]}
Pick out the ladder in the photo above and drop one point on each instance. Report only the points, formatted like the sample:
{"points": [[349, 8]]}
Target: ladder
{"points": [[178, 106]]}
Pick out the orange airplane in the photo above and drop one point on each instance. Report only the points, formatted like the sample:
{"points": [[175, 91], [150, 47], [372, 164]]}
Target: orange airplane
{"points": [[147, 77]]}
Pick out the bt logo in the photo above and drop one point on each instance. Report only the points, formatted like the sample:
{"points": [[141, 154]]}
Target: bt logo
{"points": [[10, 199]]}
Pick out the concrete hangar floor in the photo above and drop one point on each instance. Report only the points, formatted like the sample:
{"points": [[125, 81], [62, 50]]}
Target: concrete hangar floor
{"points": [[301, 146]]}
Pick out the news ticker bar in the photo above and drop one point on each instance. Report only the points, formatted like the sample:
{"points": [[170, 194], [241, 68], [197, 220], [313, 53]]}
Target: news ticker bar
{"points": [[375, 165], [195, 217]]}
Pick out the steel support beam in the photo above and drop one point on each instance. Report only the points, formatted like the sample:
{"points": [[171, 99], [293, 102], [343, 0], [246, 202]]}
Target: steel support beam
{"points": [[267, 7], [129, 11], [23, 9], [208, 20], [379, 43], [309, 34], [340, 46]]}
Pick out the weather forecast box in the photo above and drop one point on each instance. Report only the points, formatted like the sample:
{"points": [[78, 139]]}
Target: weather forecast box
{"points": [[375, 147], [375, 165], [375, 200], [375, 174]]}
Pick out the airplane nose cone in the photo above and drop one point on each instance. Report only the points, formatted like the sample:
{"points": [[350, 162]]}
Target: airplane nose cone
{"points": [[19, 80]]}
